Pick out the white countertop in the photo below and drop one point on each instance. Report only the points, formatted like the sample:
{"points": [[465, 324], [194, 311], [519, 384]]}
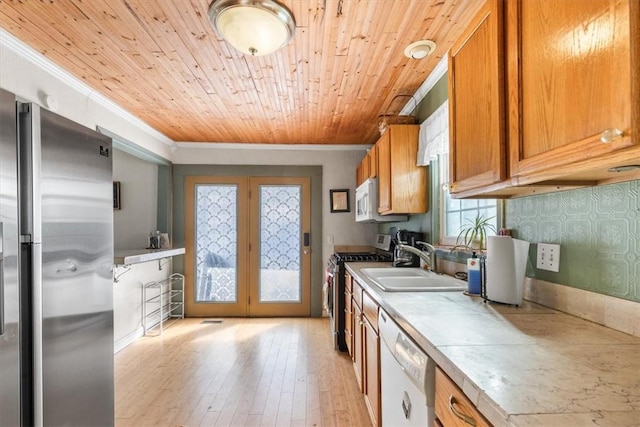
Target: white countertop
{"points": [[135, 256], [522, 366]]}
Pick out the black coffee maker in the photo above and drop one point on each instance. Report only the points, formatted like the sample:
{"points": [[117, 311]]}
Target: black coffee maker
{"points": [[402, 258]]}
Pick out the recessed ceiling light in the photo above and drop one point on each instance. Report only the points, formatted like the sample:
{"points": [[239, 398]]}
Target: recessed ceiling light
{"points": [[420, 49]]}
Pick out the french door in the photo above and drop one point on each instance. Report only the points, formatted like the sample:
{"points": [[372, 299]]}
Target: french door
{"points": [[247, 246]]}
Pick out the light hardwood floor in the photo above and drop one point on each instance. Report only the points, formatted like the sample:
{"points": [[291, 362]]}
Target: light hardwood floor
{"points": [[241, 372]]}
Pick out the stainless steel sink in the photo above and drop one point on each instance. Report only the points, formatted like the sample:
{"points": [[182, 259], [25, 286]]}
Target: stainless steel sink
{"points": [[412, 280]]}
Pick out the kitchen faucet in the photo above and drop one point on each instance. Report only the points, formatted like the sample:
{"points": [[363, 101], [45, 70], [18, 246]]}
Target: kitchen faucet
{"points": [[428, 255]]}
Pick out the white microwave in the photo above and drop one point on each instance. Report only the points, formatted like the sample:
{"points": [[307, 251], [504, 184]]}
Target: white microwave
{"points": [[367, 204]]}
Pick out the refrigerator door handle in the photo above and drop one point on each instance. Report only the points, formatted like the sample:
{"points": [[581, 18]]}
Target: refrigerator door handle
{"points": [[1, 279], [38, 336]]}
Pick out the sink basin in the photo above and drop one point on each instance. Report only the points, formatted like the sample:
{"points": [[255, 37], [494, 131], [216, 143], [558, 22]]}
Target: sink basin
{"points": [[412, 280], [375, 273], [422, 284]]}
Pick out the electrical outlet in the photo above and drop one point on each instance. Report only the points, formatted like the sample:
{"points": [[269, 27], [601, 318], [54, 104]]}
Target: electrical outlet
{"points": [[330, 239], [548, 257]]}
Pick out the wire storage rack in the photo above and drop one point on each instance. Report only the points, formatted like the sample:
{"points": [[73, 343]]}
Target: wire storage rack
{"points": [[161, 302]]}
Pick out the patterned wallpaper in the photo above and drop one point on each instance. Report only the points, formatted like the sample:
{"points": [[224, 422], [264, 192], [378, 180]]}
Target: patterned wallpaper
{"points": [[599, 232]]}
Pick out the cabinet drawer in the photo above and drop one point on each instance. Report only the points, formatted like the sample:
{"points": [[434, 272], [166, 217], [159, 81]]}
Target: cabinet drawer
{"points": [[453, 408], [348, 282], [370, 310], [357, 294]]}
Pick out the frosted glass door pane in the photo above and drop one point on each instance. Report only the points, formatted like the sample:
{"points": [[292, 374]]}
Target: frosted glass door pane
{"points": [[216, 243], [280, 225]]}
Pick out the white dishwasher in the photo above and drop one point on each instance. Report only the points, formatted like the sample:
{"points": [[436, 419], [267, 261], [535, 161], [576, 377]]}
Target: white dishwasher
{"points": [[407, 378]]}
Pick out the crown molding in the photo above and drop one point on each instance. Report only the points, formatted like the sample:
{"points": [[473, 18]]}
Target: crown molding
{"points": [[290, 147], [29, 54]]}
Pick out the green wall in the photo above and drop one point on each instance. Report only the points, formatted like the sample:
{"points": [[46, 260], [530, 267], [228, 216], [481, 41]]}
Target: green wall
{"points": [[314, 172], [428, 221], [598, 229]]}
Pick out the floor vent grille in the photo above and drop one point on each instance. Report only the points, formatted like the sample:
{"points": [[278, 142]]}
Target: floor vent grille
{"points": [[211, 321]]}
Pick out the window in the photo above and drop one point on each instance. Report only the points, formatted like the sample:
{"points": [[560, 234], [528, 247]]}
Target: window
{"points": [[456, 213]]}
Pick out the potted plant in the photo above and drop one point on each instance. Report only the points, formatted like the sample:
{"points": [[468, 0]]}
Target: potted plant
{"points": [[473, 236]]}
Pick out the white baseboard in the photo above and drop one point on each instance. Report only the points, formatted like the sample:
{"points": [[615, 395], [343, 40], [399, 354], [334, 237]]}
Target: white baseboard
{"points": [[127, 339]]}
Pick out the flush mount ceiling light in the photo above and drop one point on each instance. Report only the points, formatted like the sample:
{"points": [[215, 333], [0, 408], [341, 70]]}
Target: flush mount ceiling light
{"points": [[419, 49], [254, 27]]}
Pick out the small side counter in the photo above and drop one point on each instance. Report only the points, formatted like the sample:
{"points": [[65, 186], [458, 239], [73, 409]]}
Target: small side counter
{"points": [[133, 269], [136, 256]]}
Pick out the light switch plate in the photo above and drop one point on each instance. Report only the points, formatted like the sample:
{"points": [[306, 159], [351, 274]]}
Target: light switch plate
{"points": [[548, 257]]}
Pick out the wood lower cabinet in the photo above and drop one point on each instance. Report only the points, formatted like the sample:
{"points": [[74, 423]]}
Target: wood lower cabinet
{"points": [[402, 185], [348, 320], [453, 408], [358, 353], [365, 345], [371, 366]]}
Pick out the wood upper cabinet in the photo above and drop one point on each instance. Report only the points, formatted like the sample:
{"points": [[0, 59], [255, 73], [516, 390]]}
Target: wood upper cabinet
{"points": [[573, 79], [476, 102], [545, 95], [362, 170], [402, 185], [373, 161], [368, 167]]}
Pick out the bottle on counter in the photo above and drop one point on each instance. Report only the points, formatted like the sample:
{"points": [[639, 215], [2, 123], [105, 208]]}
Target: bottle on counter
{"points": [[154, 239], [473, 274]]}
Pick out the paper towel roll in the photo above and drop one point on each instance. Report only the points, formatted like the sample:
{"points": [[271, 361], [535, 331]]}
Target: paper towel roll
{"points": [[506, 266]]}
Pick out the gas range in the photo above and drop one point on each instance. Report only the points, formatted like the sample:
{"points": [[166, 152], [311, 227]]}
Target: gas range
{"points": [[361, 257], [335, 283]]}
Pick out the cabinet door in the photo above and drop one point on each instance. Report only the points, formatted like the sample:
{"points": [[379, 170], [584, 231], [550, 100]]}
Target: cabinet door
{"points": [[476, 102], [402, 185], [572, 77], [384, 172], [357, 345], [373, 162], [372, 371], [408, 180], [348, 322]]}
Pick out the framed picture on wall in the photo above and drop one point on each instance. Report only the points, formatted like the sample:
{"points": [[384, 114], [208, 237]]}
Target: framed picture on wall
{"points": [[116, 195], [339, 200]]}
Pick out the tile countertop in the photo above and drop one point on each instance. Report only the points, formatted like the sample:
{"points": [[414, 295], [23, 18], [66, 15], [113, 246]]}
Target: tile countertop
{"points": [[522, 366]]}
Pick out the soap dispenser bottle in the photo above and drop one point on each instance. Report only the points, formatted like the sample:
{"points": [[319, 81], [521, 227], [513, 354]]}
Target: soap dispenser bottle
{"points": [[473, 275]]}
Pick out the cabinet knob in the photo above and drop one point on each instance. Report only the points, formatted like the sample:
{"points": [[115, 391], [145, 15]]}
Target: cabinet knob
{"points": [[610, 135]]}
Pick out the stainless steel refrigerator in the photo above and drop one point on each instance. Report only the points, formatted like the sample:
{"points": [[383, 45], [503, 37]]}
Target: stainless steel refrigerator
{"points": [[56, 258]]}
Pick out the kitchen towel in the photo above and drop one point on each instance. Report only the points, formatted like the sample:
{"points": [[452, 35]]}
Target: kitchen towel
{"points": [[506, 266]]}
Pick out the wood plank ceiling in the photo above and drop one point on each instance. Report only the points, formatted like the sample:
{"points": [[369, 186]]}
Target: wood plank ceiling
{"points": [[162, 61]]}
